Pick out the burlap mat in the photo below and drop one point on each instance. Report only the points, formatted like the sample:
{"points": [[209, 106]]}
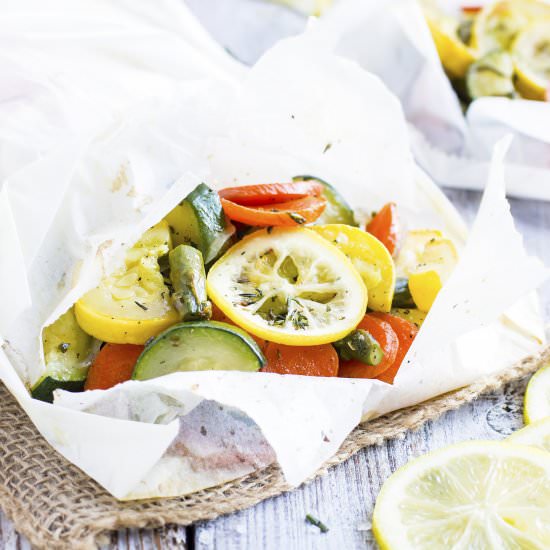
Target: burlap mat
{"points": [[57, 506]]}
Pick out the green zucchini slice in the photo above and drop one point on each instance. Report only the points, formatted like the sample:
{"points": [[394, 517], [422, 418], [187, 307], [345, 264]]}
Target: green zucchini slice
{"points": [[412, 315], [337, 209], [199, 221], [68, 353], [402, 295], [197, 346]]}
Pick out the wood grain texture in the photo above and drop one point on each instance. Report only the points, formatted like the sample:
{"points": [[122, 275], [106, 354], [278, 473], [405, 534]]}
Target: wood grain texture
{"points": [[344, 499]]}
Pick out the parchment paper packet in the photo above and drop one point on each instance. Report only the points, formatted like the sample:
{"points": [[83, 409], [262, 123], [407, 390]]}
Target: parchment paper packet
{"points": [[392, 40], [72, 69], [67, 218]]}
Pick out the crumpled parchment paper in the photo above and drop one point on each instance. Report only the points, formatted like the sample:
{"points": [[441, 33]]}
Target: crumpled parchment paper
{"points": [[82, 194], [392, 40]]}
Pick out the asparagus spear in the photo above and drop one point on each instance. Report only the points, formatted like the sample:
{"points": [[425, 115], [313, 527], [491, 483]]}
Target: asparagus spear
{"points": [[361, 346], [189, 283]]}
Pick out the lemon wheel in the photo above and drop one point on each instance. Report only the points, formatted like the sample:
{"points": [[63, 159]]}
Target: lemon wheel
{"points": [[536, 434], [536, 403], [290, 286], [479, 494]]}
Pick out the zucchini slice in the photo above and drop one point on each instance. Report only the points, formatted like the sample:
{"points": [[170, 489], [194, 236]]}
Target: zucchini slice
{"points": [[199, 221], [402, 294], [196, 346], [492, 75], [337, 209], [412, 315], [68, 353]]}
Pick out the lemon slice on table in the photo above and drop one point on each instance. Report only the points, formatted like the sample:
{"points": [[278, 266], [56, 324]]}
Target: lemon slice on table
{"points": [[455, 56], [536, 403], [480, 494], [289, 286], [369, 256], [427, 259], [536, 434], [531, 51]]}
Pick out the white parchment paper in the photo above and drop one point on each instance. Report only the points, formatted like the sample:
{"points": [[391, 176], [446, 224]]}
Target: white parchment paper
{"points": [[69, 212], [392, 40]]}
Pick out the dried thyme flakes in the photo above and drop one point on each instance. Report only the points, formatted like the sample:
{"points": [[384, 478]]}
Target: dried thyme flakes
{"points": [[249, 298]]}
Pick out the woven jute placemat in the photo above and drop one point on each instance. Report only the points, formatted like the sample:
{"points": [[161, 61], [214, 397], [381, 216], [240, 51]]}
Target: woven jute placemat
{"points": [[57, 506]]}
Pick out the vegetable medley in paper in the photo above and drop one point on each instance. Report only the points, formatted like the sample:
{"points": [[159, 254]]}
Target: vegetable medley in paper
{"points": [[236, 269]]}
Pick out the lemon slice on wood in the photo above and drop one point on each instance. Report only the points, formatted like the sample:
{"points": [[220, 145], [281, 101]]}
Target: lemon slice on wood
{"points": [[536, 434], [480, 494], [536, 403]]}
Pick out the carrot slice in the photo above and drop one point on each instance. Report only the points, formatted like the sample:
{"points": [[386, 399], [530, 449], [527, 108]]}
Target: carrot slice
{"points": [[305, 360], [384, 334], [219, 315], [384, 226], [290, 213], [271, 193], [114, 364], [406, 332]]}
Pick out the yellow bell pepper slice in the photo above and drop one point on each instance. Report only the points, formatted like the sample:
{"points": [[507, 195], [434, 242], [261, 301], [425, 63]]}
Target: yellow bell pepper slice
{"points": [[424, 287]]}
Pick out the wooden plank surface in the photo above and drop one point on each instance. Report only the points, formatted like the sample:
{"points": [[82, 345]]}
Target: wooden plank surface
{"points": [[344, 498]]}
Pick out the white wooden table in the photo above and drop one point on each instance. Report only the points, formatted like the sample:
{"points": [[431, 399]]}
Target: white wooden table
{"points": [[344, 498]]}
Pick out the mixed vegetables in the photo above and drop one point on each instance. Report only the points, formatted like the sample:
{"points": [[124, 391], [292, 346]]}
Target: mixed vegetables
{"points": [[275, 278], [501, 49]]}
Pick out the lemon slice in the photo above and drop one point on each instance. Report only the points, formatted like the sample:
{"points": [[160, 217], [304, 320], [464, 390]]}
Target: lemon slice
{"points": [[531, 51], [536, 403], [479, 494], [369, 256], [290, 286], [536, 434], [455, 56]]}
